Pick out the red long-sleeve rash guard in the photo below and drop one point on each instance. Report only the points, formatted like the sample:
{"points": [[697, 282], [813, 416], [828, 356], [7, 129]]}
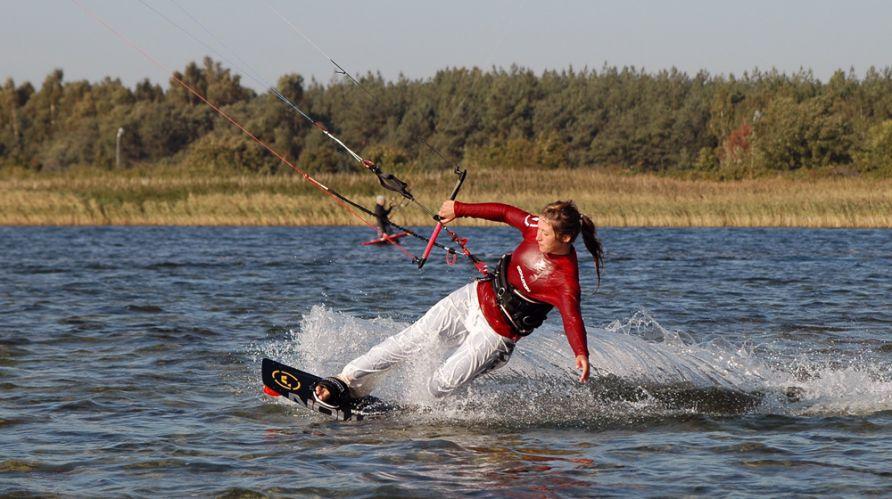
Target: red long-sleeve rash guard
{"points": [[553, 279]]}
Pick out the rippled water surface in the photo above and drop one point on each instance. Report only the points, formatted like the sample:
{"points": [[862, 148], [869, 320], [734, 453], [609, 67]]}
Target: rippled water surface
{"points": [[130, 357]]}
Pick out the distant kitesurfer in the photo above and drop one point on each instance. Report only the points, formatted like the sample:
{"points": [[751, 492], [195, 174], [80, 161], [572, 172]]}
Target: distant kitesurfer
{"points": [[381, 214], [485, 319]]}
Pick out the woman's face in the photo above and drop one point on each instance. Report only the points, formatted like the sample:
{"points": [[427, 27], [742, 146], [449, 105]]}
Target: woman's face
{"points": [[549, 241]]}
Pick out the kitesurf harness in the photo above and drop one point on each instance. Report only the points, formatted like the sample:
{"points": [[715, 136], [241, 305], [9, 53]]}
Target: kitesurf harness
{"points": [[340, 393], [522, 312]]}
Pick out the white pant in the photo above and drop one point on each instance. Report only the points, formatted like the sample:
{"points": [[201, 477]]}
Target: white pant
{"points": [[454, 321]]}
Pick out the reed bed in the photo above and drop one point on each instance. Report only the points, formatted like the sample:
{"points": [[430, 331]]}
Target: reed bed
{"points": [[167, 196]]}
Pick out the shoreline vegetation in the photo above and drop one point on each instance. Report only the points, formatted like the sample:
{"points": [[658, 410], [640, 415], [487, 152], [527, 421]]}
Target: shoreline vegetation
{"points": [[164, 195], [633, 148], [762, 123]]}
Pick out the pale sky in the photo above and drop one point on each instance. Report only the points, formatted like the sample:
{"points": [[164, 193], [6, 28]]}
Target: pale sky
{"points": [[418, 37]]}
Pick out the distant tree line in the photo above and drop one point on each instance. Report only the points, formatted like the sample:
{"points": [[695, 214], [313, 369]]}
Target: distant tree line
{"points": [[667, 121]]}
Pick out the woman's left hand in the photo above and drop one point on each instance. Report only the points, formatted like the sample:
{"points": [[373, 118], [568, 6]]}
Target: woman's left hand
{"points": [[582, 364], [447, 212]]}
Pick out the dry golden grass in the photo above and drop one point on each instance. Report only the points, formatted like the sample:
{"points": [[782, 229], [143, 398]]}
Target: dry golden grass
{"points": [[167, 196]]}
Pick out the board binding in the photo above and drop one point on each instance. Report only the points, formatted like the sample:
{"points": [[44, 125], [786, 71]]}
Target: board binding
{"points": [[281, 380]]}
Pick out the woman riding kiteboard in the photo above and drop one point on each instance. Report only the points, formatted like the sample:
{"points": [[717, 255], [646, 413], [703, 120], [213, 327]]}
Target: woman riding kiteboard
{"points": [[485, 319]]}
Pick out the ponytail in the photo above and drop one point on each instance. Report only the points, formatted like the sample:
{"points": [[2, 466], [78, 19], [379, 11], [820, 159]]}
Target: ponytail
{"points": [[592, 243], [566, 220]]}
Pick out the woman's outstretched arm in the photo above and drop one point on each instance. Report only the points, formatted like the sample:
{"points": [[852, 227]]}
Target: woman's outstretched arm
{"points": [[496, 212]]}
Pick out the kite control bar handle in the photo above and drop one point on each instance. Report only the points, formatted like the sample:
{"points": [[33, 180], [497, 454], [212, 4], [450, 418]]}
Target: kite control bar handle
{"points": [[439, 226]]}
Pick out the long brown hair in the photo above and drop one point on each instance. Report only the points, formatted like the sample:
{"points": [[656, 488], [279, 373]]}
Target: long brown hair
{"points": [[566, 220]]}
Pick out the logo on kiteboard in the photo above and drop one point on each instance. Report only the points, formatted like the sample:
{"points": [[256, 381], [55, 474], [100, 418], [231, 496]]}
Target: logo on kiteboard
{"points": [[286, 380]]}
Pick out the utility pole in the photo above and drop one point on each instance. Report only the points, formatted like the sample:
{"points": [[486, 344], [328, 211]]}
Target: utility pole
{"points": [[118, 147]]}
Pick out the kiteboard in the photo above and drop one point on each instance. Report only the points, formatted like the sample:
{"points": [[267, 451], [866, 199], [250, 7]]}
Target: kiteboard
{"points": [[280, 380], [386, 239]]}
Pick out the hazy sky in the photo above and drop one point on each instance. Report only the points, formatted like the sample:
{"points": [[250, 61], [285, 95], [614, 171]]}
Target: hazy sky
{"points": [[418, 37]]}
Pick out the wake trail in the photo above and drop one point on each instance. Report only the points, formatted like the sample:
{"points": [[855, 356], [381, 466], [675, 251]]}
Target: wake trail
{"points": [[639, 369]]}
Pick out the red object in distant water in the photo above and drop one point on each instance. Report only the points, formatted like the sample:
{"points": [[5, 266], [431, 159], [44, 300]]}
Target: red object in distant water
{"points": [[386, 239]]}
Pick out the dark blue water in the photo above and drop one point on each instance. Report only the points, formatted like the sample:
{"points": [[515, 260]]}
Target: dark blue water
{"points": [[129, 365]]}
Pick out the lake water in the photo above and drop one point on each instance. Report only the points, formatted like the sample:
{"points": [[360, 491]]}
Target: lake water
{"points": [[130, 365]]}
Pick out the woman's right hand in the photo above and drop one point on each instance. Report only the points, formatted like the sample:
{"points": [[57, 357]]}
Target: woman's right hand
{"points": [[583, 365], [447, 212]]}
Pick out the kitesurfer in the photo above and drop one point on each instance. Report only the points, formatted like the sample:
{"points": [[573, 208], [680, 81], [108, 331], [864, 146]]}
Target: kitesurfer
{"points": [[485, 319], [381, 214]]}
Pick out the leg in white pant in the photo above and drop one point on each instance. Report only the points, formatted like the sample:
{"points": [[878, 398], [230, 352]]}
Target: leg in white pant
{"points": [[482, 351], [454, 320]]}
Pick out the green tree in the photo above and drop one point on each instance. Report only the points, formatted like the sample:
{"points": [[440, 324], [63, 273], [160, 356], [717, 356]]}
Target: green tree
{"points": [[793, 135], [875, 154]]}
